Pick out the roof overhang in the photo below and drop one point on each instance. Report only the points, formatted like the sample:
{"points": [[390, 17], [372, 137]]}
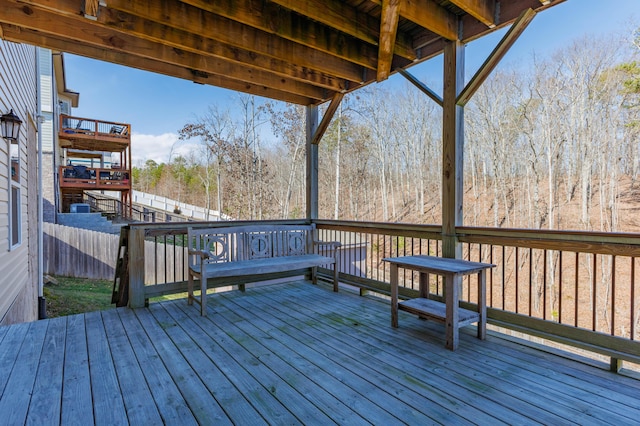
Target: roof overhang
{"points": [[61, 80], [299, 51]]}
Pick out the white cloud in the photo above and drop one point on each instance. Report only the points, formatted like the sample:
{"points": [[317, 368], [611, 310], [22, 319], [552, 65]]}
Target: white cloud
{"points": [[157, 147]]}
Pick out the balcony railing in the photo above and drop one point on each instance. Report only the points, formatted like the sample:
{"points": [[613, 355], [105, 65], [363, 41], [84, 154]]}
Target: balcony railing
{"points": [[80, 177], [71, 127], [577, 288]]}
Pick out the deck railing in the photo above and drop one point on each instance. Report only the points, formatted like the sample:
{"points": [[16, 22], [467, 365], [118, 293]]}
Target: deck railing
{"points": [[94, 178], [98, 129], [577, 288]]}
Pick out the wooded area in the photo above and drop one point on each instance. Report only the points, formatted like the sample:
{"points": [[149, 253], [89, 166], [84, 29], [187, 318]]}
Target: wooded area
{"points": [[551, 143]]}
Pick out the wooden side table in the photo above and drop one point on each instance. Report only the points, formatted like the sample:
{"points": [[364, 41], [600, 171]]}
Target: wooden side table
{"points": [[449, 312]]}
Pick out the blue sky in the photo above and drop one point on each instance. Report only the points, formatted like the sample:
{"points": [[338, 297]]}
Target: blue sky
{"points": [[158, 106]]}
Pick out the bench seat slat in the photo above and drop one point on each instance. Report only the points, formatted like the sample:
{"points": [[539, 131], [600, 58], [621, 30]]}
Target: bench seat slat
{"points": [[263, 266]]}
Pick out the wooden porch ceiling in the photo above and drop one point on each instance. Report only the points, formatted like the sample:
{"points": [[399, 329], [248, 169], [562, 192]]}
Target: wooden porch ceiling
{"points": [[298, 51]]}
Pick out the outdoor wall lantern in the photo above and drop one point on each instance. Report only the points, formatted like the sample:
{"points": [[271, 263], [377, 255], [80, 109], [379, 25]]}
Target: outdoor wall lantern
{"points": [[10, 126]]}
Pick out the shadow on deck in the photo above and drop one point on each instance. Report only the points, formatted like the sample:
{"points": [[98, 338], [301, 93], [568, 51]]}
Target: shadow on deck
{"points": [[289, 354]]}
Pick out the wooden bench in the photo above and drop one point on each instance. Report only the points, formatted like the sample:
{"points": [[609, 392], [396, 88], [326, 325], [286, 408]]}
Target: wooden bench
{"points": [[237, 255]]}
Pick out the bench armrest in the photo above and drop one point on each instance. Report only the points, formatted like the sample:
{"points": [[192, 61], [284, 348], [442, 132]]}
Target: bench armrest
{"points": [[204, 254], [332, 244]]}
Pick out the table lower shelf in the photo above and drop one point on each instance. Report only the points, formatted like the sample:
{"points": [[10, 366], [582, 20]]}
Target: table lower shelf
{"points": [[432, 309]]}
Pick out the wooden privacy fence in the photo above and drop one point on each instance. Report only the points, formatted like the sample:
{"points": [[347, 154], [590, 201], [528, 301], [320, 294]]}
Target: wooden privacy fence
{"points": [[76, 252]]}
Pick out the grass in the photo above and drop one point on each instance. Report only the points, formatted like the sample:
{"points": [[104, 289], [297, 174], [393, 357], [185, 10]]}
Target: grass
{"points": [[77, 295]]}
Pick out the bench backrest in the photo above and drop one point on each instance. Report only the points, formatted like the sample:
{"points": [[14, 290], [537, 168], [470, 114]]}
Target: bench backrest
{"points": [[252, 241]]}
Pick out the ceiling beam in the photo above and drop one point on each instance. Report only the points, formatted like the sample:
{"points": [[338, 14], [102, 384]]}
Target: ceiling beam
{"points": [[483, 10], [195, 43], [339, 15], [188, 18], [495, 56], [271, 18], [428, 14], [388, 30], [206, 25], [21, 35], [85, 31]]}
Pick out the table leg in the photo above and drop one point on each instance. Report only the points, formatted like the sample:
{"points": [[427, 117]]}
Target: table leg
{"points": [[424, 285], [482, 304], [452, 293], [394, 295]]}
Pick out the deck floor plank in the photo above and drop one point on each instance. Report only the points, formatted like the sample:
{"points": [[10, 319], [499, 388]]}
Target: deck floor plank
{"points": [[133, 386], [291, 367], [607, 405], [418, 373], [383, 388], [9, 349], [205, 408], [596, 409], [233, 402], [77, 403], [291, 353], [48, 387], [572, 409], [14, 406], [108, 404], [165, 393], [258, 396], [271, 383]]}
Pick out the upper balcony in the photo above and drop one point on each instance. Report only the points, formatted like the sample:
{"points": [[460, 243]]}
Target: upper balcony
{"points": [[93, 135]]}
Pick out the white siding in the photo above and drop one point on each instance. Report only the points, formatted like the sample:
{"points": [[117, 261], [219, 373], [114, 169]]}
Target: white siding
{"points": [[18, 285], [46, 79]]}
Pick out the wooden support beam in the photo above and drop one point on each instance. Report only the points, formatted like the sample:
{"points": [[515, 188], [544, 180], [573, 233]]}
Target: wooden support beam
{"points": [[88, 33], [430, 15], [158, 16], [420, 85], [346, 19], [22, 35], [136, 268], [312, 163], [388, 30], [483, 10], [452, 149], [195, 43], [496, 55], [326, 118]]}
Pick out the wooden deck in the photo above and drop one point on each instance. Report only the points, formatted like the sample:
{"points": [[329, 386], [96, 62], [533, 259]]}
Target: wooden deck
{"points": [[289, 354]]}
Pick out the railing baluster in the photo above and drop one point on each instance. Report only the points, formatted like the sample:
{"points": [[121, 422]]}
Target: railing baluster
{"points": [[632, 313], [544, 286], [594, 306], [517, 274], [576, 294], [613, 295]]}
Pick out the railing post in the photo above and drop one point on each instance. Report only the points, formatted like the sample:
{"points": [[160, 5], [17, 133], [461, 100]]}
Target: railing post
{"points": [[136, 267]]}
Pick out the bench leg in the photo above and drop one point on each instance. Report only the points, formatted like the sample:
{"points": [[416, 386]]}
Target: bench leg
{"points": [[314, 275], [190, 289], [335, 277], [203, 295]]}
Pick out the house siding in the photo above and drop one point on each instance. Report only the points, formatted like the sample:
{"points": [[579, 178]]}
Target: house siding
{"points": [[18, 280]]}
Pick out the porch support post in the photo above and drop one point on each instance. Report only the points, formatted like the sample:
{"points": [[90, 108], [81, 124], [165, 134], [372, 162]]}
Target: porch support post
{"points": [[312, 163], [136, 266], [452, 148]]}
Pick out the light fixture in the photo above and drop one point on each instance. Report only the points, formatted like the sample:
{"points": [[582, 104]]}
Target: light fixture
{"points": [[10, 126]]}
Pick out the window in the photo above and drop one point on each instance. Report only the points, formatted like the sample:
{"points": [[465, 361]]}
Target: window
{"points": [[15, 222]]}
